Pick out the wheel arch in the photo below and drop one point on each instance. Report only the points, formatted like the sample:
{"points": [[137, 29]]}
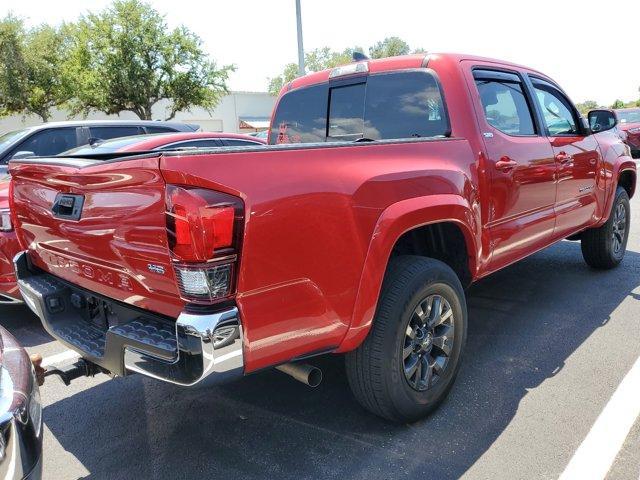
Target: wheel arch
{"points": [[627, 180], [432, 215]]}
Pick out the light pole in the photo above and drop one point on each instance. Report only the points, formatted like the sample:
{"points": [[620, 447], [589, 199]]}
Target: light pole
{"points": [[301, 71]]}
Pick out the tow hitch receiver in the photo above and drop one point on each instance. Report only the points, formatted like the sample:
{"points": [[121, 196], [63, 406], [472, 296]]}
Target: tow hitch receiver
{"points": [[67, 373]]}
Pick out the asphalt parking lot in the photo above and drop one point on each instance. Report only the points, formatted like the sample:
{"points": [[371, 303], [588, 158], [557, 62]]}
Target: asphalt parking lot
{"points": [[549, 343]]}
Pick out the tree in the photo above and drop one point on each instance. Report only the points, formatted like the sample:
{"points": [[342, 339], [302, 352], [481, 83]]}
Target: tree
{"points": [[314, 61], [126, 58], [389, 47], [322, 58], [587, 105], [32, 80], [618, 104]]}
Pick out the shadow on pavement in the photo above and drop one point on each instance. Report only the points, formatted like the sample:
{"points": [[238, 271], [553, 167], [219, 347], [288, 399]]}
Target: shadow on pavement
{"points": [[524, 323], [23, 325]]}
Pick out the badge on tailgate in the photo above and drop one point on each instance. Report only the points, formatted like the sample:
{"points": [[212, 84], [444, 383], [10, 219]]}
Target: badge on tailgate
{"points": [[68, 206]]}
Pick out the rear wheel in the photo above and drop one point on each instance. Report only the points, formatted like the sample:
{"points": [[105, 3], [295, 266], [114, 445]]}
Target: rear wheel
{"points": [[409, 361], [604, 247]]}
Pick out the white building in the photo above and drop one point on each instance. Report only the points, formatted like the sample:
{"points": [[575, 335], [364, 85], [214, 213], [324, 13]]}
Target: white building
{"points": [[238, 112]]}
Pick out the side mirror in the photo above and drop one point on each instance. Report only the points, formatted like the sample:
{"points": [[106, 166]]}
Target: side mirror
{"points": [[22, 154], [602, 120]]}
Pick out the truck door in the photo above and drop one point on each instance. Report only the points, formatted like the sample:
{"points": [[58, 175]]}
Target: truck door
{"points": [[577, 157], [520, 163]]}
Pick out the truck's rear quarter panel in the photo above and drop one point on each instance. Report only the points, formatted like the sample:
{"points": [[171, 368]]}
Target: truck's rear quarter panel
{"points": [[310, 218]]}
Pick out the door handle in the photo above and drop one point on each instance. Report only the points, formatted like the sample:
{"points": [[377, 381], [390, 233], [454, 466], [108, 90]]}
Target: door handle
{"points": [[563, 157], [505, 164]]}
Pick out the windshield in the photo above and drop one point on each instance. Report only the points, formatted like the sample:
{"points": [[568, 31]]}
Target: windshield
{"points": [[109, 146], [629, 116], [8, 139]]}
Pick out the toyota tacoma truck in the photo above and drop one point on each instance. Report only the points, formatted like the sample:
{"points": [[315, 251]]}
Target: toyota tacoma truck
{"points": [[388, 187]]}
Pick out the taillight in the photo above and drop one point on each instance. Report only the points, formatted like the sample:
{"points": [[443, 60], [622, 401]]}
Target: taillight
{"points": [[6, 224], [204, 229], [5, 220]]}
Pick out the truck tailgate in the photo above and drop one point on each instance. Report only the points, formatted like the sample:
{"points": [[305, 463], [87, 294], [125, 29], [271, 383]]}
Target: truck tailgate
{"points": [[100, 225]]}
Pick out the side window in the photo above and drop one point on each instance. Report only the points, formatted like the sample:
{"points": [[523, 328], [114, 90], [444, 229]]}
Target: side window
{"points": [[556, 109], [404, 105], [235, 142], [159, 130], [212, 143], [49, 142], [109, 132], [504, 103], [346, 112]]}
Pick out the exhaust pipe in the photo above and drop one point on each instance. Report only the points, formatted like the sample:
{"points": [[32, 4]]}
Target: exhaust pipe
{"points": [[307, 374]]}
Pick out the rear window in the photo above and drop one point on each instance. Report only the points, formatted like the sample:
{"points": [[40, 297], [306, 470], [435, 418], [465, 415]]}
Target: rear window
{"points": [[159, 129], [383, 106], [110, 146], [109, 132]]}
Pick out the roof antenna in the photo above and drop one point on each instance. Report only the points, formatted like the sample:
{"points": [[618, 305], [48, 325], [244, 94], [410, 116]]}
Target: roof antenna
{"points": [[359, 56]]}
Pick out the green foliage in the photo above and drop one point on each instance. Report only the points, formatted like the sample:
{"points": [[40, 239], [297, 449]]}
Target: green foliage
{"points": [[126, 58], [314, 61], [389, 47], [32, 80], [323, 58], [587, 105]]}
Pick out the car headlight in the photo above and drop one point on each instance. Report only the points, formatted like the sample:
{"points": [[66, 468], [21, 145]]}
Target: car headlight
{"points": [[5, 221], [634, 130]]}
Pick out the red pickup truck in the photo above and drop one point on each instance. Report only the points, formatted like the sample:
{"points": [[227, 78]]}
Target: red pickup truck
{"points": [[9, 248], [388, 188]]}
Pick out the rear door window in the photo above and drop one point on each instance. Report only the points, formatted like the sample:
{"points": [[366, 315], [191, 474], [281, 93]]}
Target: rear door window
{"points": [[504, 102], [396, 105], [49, 142], [108, 132]]}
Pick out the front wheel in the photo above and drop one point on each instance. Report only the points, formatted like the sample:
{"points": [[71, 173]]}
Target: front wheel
{"points": [[604, 247], [409, 361]]}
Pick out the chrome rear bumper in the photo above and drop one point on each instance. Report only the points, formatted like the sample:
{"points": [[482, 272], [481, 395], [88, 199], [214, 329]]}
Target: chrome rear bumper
{"points": [[8, 300], [195, 349]]}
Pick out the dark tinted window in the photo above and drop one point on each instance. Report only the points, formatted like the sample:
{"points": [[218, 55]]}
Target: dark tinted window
{"points": [[301, 116], [205, 143], [557, 111], [404, 105], [346, 112], [235, 142], [107, 132], [159, 129], [49, 142], [505, 106], [387, 106]]}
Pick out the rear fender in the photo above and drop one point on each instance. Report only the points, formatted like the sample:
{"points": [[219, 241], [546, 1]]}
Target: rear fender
{"points": [[396, 220]]}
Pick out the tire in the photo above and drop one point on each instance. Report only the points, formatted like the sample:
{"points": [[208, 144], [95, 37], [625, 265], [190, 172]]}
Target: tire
{"points": [[376, 369], [604, 247]]}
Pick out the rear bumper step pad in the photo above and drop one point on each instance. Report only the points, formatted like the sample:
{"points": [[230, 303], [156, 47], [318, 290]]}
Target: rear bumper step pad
{"points": [[195, 349]]}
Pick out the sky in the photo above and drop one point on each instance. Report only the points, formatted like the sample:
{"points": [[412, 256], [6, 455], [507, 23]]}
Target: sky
{"points": [[586, 46]]}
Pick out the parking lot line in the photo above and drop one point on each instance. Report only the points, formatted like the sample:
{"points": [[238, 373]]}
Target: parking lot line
{"points": [[59, 357], [599, 449]]}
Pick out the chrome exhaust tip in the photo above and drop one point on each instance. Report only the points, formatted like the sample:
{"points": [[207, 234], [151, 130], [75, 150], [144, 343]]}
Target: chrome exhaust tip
{"points": [[307, 374]]}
